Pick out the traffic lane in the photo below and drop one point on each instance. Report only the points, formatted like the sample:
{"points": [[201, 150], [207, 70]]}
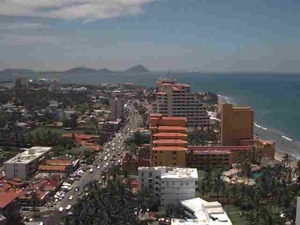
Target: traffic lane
{"points": [[87, 176]]}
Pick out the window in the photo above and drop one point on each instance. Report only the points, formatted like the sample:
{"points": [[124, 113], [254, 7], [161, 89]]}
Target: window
{"points": [[174, 152], [181, 183], [187, 183], [150, 174]]}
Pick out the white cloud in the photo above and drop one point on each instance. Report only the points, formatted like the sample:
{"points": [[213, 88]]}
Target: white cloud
{"points": [[86, 10]]}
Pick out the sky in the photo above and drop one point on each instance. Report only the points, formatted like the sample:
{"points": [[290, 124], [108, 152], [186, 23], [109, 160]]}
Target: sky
{"points": [[193, 35]]}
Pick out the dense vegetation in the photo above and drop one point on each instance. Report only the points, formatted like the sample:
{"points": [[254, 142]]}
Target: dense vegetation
{"points": [[271, 201], [114, 204]]}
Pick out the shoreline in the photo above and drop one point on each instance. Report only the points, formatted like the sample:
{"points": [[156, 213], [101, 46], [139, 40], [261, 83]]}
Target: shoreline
{"points": [[283, 144]]}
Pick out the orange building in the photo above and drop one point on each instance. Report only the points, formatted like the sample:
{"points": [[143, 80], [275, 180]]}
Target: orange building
{"points": [[236, 125], [216, 156], [168, 140], [265, 148]]}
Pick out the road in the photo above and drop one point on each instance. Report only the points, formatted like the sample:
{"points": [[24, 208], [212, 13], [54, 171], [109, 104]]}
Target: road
{"points": [[118, 142]]}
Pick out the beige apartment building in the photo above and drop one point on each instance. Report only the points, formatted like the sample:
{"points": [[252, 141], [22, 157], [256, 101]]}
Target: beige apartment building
{"points": [[174, 99]]}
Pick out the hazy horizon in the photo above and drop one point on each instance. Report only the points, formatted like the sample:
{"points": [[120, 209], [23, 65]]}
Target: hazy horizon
{"points": [[209, 36]]}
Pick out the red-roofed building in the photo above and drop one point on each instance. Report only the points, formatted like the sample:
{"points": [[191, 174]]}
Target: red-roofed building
{"points": [[53, 169], [168, 140], [9, 208], [215, 156]]}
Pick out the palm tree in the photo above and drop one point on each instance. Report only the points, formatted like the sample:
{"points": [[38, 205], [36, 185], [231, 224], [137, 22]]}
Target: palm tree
{"points": [[113, 204]]}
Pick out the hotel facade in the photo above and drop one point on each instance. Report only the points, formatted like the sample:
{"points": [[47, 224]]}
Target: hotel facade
{"points": [[174, 99], [168, 141]]}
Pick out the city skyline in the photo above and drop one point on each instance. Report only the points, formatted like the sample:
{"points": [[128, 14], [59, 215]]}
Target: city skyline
{"points": [[162, 35]]}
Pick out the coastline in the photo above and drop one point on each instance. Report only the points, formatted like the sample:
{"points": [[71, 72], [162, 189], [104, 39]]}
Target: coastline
{"points": [[283, 144]]}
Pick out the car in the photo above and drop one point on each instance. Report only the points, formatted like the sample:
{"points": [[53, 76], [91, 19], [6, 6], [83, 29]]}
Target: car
{"points": [[68, 207], [71, 197], [91, 170], [61, 209], [98, 167]]}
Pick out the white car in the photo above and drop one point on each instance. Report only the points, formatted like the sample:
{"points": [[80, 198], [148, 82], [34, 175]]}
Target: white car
{"points": [[91, 170], [68, 207], [71, 197], [61, 209]]}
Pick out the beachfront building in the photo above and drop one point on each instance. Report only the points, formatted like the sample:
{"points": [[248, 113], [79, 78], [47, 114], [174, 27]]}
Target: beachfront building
{"points": [[168, 141], [199, 211], [236, 125], [174, 99], [170, 184], [26, 163], [215, 156], [264, 148]]}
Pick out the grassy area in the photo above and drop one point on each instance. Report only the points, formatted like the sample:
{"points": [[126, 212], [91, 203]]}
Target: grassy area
{"points": [[234, 214]]}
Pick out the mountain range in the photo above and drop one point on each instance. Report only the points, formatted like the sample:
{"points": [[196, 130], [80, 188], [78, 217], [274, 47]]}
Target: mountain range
{"points": [[10, 74]]}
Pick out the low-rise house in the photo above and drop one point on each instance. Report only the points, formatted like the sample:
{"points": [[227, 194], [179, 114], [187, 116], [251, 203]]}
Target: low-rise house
{"points": [[9, 208]]}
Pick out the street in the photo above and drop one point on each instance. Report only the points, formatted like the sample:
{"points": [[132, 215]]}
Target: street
{"points": [[112, 157]]}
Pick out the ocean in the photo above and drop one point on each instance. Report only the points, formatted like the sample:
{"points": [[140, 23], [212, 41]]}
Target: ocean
{"points": [[274, 98]]}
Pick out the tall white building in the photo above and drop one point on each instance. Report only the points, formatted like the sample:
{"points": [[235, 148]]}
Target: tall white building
{"points": [[174, 99], [26, 163], [116, 108], [170, 184]]}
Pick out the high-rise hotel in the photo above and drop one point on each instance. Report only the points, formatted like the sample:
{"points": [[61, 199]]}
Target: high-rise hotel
{"points": [[174, 99]]}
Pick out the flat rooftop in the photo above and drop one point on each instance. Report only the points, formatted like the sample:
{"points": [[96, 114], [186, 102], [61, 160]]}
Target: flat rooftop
{"points": [[29, 155], [212, 212], [188, 173], [173, 172], [196, 149]]}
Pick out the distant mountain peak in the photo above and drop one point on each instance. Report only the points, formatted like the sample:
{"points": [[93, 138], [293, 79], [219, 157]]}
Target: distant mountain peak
{"points": [[137, 69], [81, 70], [105, 70]]}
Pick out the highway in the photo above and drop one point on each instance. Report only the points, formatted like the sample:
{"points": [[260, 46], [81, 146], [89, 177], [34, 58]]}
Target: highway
{"points": [[118, 143]]}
